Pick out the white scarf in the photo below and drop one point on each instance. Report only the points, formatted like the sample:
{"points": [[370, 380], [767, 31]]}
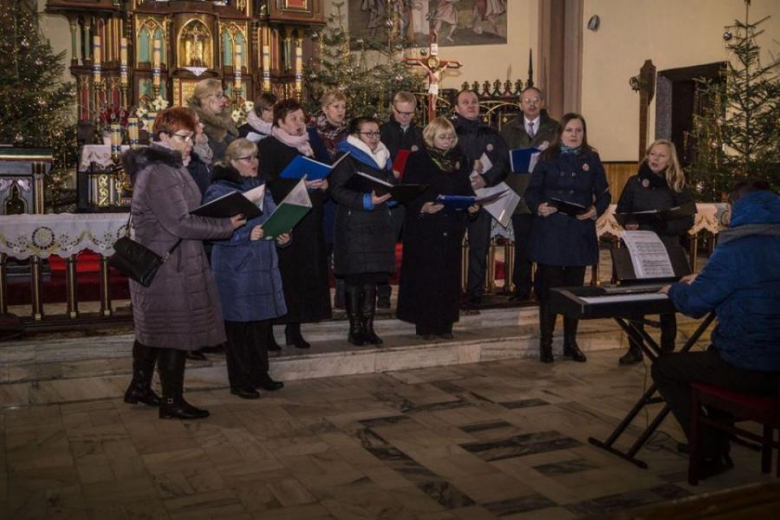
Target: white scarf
{"points": [[300, 142], [380, 156], [258, 124]]}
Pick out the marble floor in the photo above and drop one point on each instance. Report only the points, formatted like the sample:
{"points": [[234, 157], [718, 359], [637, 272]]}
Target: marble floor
{"points": [[502, 439]]}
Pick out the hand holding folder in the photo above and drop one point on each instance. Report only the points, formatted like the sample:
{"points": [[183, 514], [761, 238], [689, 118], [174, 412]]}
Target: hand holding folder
{"points": [[288, 213], [249, 204], [398, 192], [302, 166]]}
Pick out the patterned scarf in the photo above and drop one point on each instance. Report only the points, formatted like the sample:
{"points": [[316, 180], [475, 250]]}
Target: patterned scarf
{"points": [[331, 134], [445, 160], [565, 150], [299, 142]]}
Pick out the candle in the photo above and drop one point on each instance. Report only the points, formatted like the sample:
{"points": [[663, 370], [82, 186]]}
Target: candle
{"points": [[156, 63], [298, 67], [116, 139], [266, 67], [123, 62], [96, 68], [237, 68], [132, 131]]}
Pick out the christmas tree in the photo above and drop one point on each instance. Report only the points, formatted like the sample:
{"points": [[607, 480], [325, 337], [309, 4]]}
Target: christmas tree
{"points": [[369, 72], [737, 134], [35, 104]]}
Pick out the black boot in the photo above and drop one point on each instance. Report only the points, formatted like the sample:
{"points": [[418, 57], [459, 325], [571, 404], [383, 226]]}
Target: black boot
{"points": [[570, 347], [171, 364], [140, 389], [632, 357], [546, 327], [369, 310], [354, 306], [273, 346], [293, 336], [384, 293]]}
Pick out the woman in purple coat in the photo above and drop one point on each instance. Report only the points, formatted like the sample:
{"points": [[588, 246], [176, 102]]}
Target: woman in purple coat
{"points": [[180, 310]]}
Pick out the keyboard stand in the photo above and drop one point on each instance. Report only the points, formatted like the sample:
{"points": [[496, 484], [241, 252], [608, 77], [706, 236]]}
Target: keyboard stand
{"points": [[652, 350]]}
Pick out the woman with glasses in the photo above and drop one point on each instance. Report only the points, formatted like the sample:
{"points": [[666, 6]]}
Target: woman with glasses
{"points": [[429, 290], [364, 241], [209, 102], [304, 265], [246, 269], [180, 310]]}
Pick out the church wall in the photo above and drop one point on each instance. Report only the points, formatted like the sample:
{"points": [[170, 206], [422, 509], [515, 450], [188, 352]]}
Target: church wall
{"points": [[673, 34]]}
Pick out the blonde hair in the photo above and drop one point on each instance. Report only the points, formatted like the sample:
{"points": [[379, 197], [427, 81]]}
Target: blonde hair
{"points": [[332, 96], [405, 97], [675, 177], [206, 87], [237, 149], [438, 125]]}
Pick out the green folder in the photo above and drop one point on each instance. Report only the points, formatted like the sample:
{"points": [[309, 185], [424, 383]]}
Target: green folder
{"points": [[288, 213]]}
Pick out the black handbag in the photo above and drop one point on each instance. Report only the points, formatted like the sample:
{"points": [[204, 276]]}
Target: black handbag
{"points": [[136, 261]]}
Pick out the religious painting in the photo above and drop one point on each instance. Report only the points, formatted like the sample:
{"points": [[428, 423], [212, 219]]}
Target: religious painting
{"points": [[457, 22]]}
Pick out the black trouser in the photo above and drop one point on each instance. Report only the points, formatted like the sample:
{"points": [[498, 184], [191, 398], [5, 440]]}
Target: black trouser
{"points": [[548, 277], [674, 373], [479, 244], [668, 332], [247, 352], [522, 276]]}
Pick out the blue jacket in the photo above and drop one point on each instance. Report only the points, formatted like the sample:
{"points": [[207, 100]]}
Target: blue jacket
{"points": [[741, 283], [246, 272], [561, 240]]}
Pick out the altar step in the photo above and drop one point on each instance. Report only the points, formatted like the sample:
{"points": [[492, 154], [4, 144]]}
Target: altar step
{"points": [[65, 370]]}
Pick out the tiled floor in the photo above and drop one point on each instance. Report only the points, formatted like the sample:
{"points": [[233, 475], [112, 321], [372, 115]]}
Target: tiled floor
{"points": [[503, 440]]}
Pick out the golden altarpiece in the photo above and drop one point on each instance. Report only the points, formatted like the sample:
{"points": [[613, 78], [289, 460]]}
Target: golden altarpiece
{"points": [[128, 53]]}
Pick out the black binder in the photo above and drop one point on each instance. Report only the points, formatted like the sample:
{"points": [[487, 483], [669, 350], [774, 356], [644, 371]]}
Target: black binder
{"points": [[227, 206], [651, 217]]}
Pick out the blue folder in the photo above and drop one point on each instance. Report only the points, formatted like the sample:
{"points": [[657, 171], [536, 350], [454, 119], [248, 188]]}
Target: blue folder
{"points": [[456, 202], [520, 159]]}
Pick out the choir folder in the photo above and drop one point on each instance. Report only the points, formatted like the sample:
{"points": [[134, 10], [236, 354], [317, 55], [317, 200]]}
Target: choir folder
{"points": [[659, 215], [249, 204], [398, 192], [302, 166], [523, 160], [288, 213]]}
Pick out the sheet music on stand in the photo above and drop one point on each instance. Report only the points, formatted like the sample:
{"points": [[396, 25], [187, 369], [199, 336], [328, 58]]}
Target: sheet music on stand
{"points": [[649, 256]]}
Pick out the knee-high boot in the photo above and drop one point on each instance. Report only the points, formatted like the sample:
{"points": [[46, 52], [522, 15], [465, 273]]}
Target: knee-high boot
{"points": [[353, 303], [369, 310], [171, 363], [140, 389], [546, 327], [570, 347]]}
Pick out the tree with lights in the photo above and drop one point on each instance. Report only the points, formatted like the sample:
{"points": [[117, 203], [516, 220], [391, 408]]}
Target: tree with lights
{"points": [[738, 133]]}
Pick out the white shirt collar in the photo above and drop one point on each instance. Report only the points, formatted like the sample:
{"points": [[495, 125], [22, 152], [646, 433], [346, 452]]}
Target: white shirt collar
{"points": [[535, 121]]}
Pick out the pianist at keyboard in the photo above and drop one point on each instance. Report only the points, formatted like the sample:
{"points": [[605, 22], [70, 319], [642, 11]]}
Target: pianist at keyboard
{"points": [[741, 284]]}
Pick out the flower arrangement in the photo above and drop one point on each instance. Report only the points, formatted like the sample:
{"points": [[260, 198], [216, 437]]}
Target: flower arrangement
{"points": [[147, 111], [111, 115], [239, 113]]}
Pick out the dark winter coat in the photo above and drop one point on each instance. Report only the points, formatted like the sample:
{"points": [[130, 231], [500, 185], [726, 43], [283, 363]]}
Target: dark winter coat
{"points": [[246, 271], [180, 310], [656, 195], [558, 239], [516, 136], [429, 291], [364, 237], [476, 138], [395, 138], [741, 283], [200, 172], [304, 264]]}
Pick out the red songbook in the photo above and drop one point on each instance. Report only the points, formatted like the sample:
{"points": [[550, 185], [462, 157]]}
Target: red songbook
{"points": [[399, 164]]}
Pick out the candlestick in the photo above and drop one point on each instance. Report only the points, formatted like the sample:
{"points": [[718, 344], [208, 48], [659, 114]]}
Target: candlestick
{"points": [[123, 62], [156, 63], [96, 54], [266, 67], [237, 69]]}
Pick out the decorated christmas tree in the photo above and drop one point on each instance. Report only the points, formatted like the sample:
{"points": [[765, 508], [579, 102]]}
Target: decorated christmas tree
{"points": [[36, 106], [737, 135], [369, 72]]}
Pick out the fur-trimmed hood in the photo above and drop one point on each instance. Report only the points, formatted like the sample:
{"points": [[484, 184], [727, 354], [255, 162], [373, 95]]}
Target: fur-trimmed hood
{"points": [[136, 160], [215, 126]]}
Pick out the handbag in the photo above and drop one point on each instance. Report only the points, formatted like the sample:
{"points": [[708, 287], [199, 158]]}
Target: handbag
{"points": [[136, 261]]}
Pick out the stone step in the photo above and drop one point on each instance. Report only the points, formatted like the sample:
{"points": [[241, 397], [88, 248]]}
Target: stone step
{"points": [[57, 370]]}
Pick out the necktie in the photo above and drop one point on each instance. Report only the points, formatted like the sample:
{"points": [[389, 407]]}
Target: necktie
{"points": [[531, 132]]}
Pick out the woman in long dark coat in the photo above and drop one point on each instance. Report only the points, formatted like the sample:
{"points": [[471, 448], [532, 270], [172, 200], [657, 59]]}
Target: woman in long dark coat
{"points": [[561, 245], [180, 310], [364, 245], [659, 185], [246, 270], [429, 289], [304, 265]]}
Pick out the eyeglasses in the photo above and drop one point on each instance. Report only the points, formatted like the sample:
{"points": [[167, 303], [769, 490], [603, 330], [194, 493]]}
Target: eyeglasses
{"points": [[248, 158], [447, 137], [184, 138], [530, 100], [371, 134], [400, 113]]}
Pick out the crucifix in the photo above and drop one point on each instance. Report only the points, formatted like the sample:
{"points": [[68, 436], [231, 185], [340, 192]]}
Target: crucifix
{"points": [[434, 66]]}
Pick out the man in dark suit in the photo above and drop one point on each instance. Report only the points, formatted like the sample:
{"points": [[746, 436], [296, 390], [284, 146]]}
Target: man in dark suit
{"points": [[533, 129], [475, 138], [399, 133]]}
